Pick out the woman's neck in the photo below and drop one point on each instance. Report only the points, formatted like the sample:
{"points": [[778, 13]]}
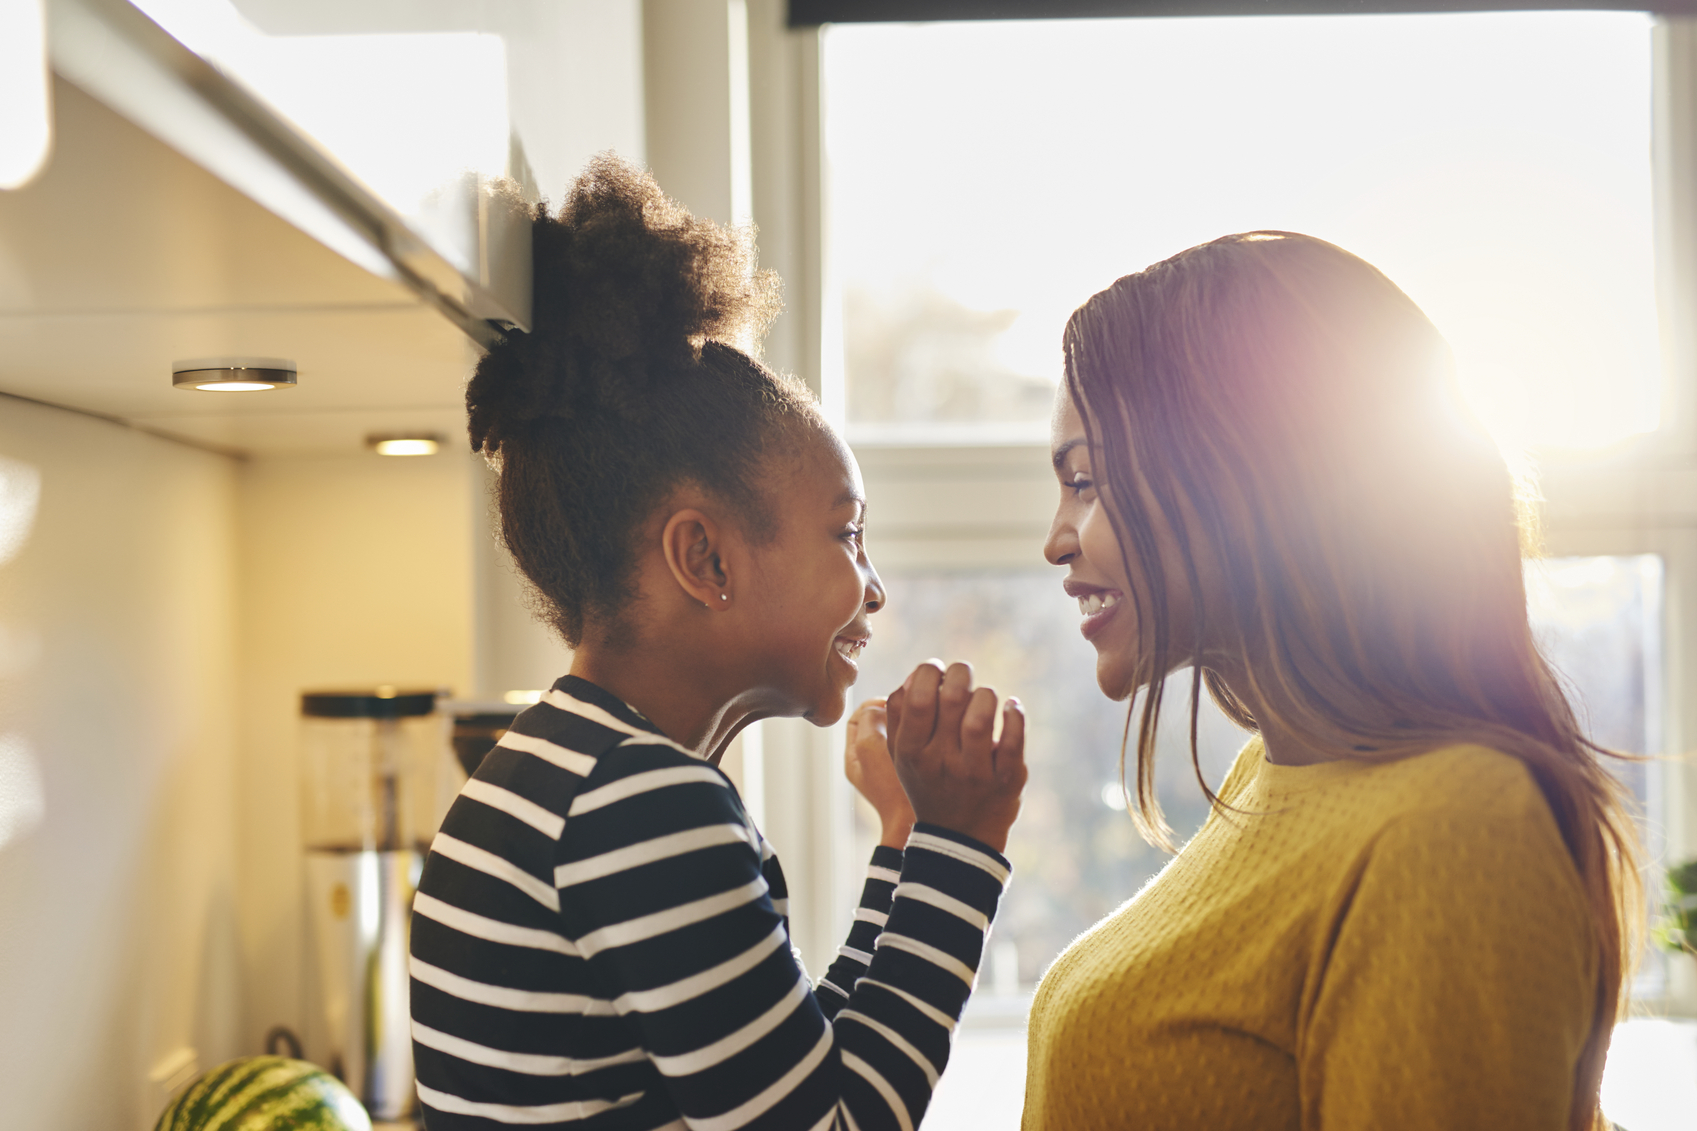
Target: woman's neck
{"points": [[1283, 746]]}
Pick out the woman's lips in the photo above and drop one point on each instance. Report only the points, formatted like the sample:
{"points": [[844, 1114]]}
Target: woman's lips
{"points": [[1097, 607]]}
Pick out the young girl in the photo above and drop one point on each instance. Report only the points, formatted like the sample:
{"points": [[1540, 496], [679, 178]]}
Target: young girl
{"points": [[600, 935], [1413, 904]]}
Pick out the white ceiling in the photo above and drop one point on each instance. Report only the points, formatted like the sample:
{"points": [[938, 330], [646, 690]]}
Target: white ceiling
{"points": [[124, 256]]}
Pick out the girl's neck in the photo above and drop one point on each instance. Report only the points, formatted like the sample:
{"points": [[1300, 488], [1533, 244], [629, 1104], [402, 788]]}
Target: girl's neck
{"points": [[676, 701]]}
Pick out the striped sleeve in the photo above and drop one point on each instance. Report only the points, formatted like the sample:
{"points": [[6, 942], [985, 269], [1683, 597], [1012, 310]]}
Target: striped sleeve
{"points": [[662, 891], [855, 955]]}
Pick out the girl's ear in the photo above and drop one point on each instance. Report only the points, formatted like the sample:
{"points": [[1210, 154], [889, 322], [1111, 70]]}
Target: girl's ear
{"points": [[694, 547]]}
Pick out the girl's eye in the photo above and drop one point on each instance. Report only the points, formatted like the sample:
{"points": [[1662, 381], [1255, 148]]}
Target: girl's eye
{"points": [[855, 534], [1080, 483]]}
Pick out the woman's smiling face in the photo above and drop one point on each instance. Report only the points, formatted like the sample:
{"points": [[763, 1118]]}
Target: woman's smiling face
{"points": [[814, 585], [1098, 575]]}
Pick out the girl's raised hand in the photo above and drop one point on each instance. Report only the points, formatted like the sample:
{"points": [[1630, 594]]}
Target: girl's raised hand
{"points": [[866, 760], [955, 772]]}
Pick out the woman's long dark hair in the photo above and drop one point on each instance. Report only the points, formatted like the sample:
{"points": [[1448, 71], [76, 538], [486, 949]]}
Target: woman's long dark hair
{"points": [[1281, 401]]}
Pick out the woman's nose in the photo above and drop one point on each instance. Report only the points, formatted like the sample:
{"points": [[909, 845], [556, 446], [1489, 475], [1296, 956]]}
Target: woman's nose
{"points": [[1061, 546]]}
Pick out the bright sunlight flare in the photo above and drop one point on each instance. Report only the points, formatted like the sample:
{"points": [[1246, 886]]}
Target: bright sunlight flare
{"points": [[989, 177]]}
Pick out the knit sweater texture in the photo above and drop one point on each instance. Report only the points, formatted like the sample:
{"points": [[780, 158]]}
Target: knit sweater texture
{"points": [[1351, 945]]}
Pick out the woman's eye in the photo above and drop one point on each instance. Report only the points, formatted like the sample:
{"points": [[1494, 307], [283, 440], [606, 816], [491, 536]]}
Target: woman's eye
{"points": [[855, 535], [1080, 484]]}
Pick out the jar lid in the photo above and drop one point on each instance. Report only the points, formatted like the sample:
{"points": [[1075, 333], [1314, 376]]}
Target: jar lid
{"points": [[375, 703]]}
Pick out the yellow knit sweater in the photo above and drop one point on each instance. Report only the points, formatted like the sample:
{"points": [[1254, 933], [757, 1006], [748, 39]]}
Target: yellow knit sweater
{"points": [[1399, 946]]}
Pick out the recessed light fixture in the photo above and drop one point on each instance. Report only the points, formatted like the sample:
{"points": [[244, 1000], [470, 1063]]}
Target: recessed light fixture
{"points": [[233, 374], [405, 444]]}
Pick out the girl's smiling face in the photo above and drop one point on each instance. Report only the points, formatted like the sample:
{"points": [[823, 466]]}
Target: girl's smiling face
{"points": [[813, 586]]}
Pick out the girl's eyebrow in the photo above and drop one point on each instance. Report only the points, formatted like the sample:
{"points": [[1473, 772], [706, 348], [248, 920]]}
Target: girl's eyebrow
{"points": [[857, 502]]}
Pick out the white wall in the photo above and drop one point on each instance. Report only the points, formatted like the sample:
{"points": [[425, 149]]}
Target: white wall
{"points": [[515, 652], [117, 689], [356, 571], [159, 616]]}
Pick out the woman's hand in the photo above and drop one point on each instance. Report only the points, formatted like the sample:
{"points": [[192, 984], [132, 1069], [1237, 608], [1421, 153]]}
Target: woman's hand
{"points": [[940, 732], [867, 762]]}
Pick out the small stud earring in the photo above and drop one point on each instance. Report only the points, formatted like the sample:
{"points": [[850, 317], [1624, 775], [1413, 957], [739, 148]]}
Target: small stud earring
{"points": [[724, 597]]}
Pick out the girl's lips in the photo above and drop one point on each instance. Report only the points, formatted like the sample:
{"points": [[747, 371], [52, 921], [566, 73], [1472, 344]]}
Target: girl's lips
{"points": [[849, 648]]}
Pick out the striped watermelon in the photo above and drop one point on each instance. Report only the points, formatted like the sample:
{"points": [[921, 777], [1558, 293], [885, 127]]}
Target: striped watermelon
{"points": [[265, 1093]]}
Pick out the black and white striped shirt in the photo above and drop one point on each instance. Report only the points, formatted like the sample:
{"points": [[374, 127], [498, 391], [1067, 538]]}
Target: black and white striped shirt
{"points": [[600, 940]]}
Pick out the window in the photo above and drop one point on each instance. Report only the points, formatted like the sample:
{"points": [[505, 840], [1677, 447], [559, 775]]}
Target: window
{"points": [[1598, 621], [988, 177]]}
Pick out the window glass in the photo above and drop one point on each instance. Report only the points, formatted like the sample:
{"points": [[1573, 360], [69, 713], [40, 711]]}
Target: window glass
{"points": [[1599, 623], [990, 176], [1077, 855]]}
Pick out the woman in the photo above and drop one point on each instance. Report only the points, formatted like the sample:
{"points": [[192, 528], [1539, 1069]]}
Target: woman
{"points": [[1413, 904], [600, 937]]}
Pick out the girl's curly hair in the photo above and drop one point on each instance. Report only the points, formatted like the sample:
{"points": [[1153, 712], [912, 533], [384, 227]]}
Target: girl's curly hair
{"points": [[638, 376]]}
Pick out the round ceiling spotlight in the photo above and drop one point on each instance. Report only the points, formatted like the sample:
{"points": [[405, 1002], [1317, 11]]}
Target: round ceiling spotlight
{"points": [[233, 374], [405, 444]]}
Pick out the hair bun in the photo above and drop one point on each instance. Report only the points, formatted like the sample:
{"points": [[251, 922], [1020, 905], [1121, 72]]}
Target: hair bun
{"points": [[628, 286]]}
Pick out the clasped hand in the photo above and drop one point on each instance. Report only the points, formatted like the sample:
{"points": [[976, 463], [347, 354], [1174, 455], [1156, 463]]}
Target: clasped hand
{"points": [[930, 753]]}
